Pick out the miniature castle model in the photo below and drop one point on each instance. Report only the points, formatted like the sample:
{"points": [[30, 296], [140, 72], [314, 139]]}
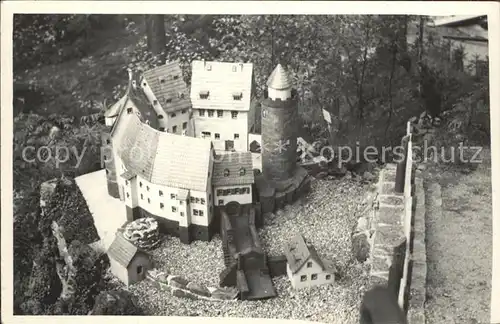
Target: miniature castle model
{"points": [[304, 266], [182, 180]]}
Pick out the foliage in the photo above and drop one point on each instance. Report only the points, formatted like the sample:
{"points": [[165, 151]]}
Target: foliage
{"points": [[115, 302]]}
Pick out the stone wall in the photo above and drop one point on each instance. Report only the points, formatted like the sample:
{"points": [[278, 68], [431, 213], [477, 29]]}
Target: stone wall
{"points": [[183, 288]]}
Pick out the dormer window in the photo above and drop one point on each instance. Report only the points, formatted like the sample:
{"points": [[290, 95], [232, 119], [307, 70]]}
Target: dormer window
{"points": [[237, 95], [243, 171], [162, 80], [176, 77], [226, 172], [204, 94], [181, 95], [168, 100], [129, 110], [160, 116]]}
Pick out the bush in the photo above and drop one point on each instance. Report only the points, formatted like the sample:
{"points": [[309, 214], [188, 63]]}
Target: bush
{"points": [[115, 302]]}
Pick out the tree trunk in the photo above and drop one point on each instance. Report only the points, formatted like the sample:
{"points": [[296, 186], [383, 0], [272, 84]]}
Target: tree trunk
{"points": [[155, 29]]}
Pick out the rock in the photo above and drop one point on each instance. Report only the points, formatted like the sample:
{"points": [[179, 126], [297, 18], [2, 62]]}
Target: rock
{"points": [[143, 233], [182, 294], [361, 246], [368, 176], [321, 175], [362, 224], [177, 282], [348, 175], [225, 293], [198, 289], [115, 302]]}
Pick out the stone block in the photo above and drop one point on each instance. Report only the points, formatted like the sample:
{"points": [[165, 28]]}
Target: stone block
{"points": [[390, 215], [389, 237], [419, 251], [225, 293], [392, 200], [417, 298], [198, 289]]}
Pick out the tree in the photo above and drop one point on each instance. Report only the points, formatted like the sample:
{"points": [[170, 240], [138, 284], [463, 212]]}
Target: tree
{"points": [[156, 39]]}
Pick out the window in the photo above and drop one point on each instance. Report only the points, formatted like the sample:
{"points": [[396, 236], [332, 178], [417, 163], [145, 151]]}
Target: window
{"points": [[237, 96], [237, 190], [210, 113], [129, 110], [197, 200], [195, 212], [160, 116], [219, 192], [217, 136], [108, 141], [201, 212], [168, 100], [309, 264], [168, 130], [234, 114], [174, 129], [162, 80], [201, 112], [182, 214], [226, 192], [128, 195], [202, 201], [181, 95], [139, 269], [175, 77], [162, 205], [140, 184], [126, 182], [209, 198], [303, 278], [234, 68], [264, 113], [236, 136], [314, 276], [226, 172], [204, 94], [183, 111], [233, 191], [162, 129], [142, 196], [155, 102], [160, 193], [205, 134], [149, 201], [220, 113], [173, 115], [174, 209], [180, 202], [221, 202], [144, 84], [107, 171], [209, 67], [327, 277], [147, 188], [172, 196], [184, 125]]}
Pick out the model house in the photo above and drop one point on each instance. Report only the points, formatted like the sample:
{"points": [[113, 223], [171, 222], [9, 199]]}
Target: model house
{"points": [[163, 175], [127, 262], [221, 95], [304, 266], [233, 178], [168, 94]]}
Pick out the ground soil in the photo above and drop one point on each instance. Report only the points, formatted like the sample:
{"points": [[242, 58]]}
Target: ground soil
{"points": [[459, 245]]}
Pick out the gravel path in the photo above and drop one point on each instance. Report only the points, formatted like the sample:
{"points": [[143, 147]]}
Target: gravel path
{"points": [[459, 248], [325, 217]]}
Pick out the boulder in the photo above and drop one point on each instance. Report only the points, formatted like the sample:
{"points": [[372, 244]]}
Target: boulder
{"points": [[368, 176], [177, 282], [115, 302], [361, 246], [198, 289]]}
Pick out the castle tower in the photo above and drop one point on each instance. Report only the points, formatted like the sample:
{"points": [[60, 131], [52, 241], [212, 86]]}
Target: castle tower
{"points": [[279, 130]]}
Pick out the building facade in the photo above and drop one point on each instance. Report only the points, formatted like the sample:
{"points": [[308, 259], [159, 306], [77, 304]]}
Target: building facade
{"points": [[221, 95]]}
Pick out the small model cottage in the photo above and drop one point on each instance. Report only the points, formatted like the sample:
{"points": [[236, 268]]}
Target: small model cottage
{"points": [[168, 94], [304, 266], [221, 94], [127, 262]]}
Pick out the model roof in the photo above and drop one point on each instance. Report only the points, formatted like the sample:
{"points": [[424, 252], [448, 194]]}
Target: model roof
{"points": [[298, 253], [162, 158], [233, 169], [167, 84], [279, 79], [222, 82], [122, 250]]}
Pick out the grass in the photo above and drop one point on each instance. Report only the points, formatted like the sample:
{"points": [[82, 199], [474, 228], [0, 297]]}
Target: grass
{"points": [[459, 247]]}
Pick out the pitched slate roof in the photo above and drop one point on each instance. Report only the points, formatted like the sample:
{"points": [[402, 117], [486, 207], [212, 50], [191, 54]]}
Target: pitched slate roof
{"points": [[122, 251], [279, 79], [221, 80], [234, 163], [162, 158], [298, 253], [167, 82]]}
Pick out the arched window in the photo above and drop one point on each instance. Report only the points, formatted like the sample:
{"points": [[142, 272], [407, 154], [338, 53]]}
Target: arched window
{"points": [[226, 172], [242, 171]]}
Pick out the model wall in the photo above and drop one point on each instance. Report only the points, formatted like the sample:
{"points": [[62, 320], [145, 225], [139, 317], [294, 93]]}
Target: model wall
{"points": [[227, 194]]}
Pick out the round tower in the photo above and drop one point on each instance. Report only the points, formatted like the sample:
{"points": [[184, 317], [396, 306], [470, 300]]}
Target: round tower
{"points": [[279, 118]]}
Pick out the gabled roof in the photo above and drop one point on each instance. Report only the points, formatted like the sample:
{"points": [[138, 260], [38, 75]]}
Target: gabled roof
{"points": [[221, 80], [162, 158], [298, 253], [233, 163], [122, 251], [166, 83], [279, 79], [458, 20]]}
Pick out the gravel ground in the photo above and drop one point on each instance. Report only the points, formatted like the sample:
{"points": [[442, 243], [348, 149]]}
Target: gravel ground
{"points": [[325, 217]]}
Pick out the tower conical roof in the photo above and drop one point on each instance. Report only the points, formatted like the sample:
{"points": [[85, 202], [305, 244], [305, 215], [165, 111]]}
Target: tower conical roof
{"points": [[279, 79]]}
